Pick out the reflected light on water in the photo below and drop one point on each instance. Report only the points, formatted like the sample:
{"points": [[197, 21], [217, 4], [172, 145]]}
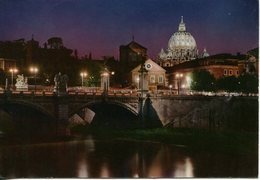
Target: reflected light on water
{"points": [[155, 172], [156, 169], [184, 169], [134, 164], [136, 175], [104, 171], [82, 169]]}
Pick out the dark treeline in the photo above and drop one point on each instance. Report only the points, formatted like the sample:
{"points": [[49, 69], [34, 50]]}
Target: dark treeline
{"points": [[51, 59], [204, 81]]}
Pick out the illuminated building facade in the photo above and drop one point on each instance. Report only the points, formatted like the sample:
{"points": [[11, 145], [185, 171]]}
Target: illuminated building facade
{"points": [[155, 75], [219, 66], [7, 64]]}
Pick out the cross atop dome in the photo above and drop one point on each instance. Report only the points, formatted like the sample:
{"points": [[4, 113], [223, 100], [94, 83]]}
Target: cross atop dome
{"points": [[182, 26]]}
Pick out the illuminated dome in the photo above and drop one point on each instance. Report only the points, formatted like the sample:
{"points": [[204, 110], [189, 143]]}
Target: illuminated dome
{"points": [[182, 40], [181, 47]]}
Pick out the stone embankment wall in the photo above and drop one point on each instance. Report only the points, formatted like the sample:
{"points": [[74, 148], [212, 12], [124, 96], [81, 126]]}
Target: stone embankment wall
{"points": [[234, 113]]}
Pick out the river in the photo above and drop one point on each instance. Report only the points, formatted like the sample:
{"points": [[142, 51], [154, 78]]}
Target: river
{"points": [[90, 158]]}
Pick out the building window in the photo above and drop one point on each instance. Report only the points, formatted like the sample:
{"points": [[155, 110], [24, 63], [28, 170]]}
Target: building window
{"points": [[160, 79], [152, 79], [230, 72], [225, 72]]}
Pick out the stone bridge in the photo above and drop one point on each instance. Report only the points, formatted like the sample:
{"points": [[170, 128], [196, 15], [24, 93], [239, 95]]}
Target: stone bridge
{"points": [[175, 111]]}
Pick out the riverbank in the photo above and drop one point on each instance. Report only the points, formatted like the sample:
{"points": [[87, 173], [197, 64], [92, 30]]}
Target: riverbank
{"points": [[194, 139]]}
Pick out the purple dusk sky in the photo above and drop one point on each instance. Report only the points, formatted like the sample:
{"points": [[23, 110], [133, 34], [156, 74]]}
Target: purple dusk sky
{"points": [[101, 26]]}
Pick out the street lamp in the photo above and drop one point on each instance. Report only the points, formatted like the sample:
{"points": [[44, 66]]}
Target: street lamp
{"points": [[13, 70], [178, 77], [83, 75], [34, 70]]}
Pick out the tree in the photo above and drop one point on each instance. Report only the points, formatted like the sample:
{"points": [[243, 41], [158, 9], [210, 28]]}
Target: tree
{"points": [[229, 83], [12, 49], [248, 83], [202, 80], [2, 77], [55, 42]]}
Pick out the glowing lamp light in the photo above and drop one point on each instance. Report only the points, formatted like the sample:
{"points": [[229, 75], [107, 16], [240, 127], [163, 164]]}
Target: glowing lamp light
{"points": [[13, 70], [83, 74], [105, 74], [137, 79], [33, 69], [178, 75]]}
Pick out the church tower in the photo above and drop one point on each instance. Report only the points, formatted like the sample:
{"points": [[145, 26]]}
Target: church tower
{"points": [[31, 51]]}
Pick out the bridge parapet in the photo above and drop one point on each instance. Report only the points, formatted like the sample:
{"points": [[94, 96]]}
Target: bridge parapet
{"points": [[170, 108]]}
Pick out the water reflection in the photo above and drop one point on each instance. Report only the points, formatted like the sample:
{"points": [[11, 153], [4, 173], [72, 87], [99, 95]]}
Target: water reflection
{"points": [[104, 171], [88, 158], [82, 169], [184, 169]]}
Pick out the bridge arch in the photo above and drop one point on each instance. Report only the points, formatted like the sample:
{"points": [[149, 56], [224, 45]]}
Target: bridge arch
{"points": [[7, 105], [112, 114], [91, 103], [28, 119]]}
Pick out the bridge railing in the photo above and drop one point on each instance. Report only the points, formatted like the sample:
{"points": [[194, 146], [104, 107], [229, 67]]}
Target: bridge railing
{"points": [[95, 91]]}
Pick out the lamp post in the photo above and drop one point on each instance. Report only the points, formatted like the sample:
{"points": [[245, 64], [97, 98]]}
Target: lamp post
{"points": [[112, 79], [34, 70], [13, 70], [178, 77], [143, 88], [83, 75]]}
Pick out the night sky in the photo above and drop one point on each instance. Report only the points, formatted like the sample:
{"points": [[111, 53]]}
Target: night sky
{"points": [[101, 26]]}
